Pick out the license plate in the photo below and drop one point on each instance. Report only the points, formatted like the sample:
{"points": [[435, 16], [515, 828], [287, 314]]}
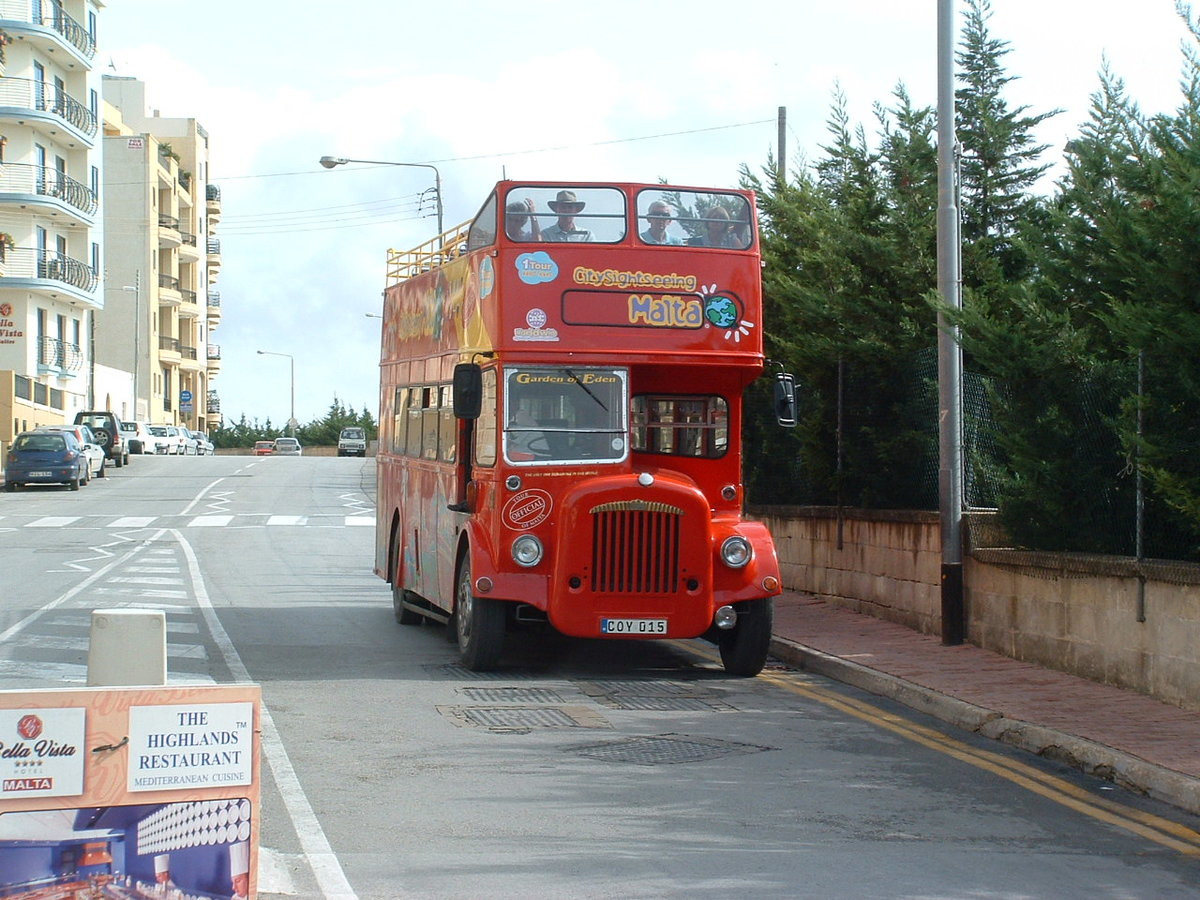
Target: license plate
{"points": [[633, 626], [40, 474]]}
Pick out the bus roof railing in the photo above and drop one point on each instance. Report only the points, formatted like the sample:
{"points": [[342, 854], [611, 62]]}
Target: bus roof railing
{"points": [[435, 252]]}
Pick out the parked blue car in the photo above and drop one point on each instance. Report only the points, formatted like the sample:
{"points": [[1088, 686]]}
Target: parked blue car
{"points": [[45, 457]]}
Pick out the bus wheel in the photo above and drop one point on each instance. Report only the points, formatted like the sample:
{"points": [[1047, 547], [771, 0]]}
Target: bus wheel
{"points": [[479, 622], [744, 648], [404, 615]]}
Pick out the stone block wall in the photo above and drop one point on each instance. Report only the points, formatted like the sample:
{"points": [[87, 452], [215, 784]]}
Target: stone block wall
{"points": [[1109, 619]]}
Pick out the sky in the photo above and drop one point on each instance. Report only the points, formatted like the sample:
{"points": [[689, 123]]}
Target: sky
{"points": [[537, 89]]}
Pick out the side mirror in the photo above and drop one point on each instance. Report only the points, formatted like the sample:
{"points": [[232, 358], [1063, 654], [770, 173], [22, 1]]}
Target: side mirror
{"points": [[468, 390], [785, 400]]}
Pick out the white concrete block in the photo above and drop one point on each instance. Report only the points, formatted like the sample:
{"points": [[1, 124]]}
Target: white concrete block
{"points": [[128, 647]]}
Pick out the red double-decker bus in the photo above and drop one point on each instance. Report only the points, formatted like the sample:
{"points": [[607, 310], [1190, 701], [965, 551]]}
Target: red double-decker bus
{"points": [[560, 413]]}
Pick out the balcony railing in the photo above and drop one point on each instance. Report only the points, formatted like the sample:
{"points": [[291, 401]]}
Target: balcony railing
{"points": [[212, 192], [27, 93], [214, 351], [188, 296], [169, 344], [59, 356], [25, 388], [170, 282], [187, 352], [188, 238], [74, 33], [214, 247], [165, 221], [43, 181], [26, 262], [214, 298], [214, 404]]}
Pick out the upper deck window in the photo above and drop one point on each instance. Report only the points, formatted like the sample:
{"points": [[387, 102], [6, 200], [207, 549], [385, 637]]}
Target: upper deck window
{"points": [[483, 228], [694, 219], [565, 214]]}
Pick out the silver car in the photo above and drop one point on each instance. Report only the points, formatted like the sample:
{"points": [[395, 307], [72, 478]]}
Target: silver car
{"points": [[286, 446]]}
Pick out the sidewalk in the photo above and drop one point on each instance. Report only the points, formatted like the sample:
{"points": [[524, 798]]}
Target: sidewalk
{"points": [[1129, 738]]}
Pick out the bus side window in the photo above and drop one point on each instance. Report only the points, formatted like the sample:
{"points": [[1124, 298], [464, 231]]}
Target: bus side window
{"points": [[447, 424], [399, 420], [486, 426], [413, 415], [429, 423]]}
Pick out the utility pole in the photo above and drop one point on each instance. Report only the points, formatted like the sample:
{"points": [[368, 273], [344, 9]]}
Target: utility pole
{"points": [[949, 348], [781, 162]]}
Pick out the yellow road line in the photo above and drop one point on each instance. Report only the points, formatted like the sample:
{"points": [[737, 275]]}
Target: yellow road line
{"points": [[1154, 828]]}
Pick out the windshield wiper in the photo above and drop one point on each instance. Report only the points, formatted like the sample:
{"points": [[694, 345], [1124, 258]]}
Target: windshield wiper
{"points": [[575, 378]]}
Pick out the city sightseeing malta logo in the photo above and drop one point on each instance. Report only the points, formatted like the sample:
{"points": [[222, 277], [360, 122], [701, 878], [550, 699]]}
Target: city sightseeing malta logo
{"points": [[724, 310]]}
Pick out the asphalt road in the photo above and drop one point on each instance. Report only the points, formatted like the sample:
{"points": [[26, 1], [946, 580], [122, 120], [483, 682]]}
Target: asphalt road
{"points": [[581, 769]]}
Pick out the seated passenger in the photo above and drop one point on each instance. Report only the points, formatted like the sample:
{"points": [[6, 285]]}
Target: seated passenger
{"points": [[520, 224], [567, 205], [659, 216], [716, 229]]}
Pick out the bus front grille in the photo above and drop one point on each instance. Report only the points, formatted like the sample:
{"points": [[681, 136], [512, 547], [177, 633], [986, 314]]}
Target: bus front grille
{"points": [[635, 547]]}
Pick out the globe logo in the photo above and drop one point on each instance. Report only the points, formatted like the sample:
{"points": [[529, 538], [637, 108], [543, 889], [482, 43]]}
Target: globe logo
{"points": [[721, 311]]}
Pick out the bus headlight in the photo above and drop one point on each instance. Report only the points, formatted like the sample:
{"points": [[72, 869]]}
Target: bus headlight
{"points": [[527, 551], [736, 551]]}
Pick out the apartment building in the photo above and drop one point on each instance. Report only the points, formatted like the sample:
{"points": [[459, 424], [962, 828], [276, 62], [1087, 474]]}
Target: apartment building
{"points": [[50, 233], [161, 261]]}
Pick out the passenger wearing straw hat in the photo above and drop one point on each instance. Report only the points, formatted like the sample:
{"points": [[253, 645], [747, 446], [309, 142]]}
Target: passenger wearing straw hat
{"points": [[567, 205]]}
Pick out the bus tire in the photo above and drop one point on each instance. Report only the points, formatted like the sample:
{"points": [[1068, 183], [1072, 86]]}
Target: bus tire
{"points": [[744, 648], [404, 615], [479, 622]]}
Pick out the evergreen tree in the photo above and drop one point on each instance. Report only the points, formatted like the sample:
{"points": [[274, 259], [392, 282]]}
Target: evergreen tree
{"points": [[998, 166]]}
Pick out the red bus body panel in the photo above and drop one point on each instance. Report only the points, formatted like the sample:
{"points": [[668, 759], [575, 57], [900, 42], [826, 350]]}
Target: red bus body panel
{"points": [[615, 546]]}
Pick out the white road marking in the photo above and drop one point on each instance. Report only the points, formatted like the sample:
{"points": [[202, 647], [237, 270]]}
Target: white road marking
{"points": [[132, 522], [317, 851], [209, 521]]}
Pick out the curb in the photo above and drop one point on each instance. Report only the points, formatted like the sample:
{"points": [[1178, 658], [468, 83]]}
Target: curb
{"points": [[1092, 758]]}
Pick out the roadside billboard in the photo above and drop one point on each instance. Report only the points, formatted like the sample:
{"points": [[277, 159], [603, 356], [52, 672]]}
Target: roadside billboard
{"points": [[130, 791]]}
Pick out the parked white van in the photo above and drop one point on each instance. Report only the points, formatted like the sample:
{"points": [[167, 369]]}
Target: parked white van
{"points": [[352, 442]]}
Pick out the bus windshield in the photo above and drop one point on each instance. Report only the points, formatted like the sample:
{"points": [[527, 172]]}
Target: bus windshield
{"points": [[565, 415]]}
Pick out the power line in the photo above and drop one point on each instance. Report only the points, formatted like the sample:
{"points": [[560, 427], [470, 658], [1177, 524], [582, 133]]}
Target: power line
{"points": [[448, 159]]}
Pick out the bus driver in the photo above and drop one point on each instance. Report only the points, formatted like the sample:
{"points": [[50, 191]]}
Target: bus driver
{"points": [[567, 205]]}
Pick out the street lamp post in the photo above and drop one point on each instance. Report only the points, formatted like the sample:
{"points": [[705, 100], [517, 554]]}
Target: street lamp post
{"points": [[292, 361], [330, 162]]}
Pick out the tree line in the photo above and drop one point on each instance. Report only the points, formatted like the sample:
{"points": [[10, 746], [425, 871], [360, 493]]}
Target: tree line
{"points": [[1080, 319], [321, 432]]}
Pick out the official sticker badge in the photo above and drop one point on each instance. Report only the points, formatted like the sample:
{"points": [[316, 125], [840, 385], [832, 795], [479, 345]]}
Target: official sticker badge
{"points": [[527, 509]]}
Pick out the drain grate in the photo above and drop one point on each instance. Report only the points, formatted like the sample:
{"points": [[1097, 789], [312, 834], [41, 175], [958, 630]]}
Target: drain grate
{"points": [[665, 749], [511, 695], [459, 671], [641, 687], [659, 696], [663, 704], [522, 719]]}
